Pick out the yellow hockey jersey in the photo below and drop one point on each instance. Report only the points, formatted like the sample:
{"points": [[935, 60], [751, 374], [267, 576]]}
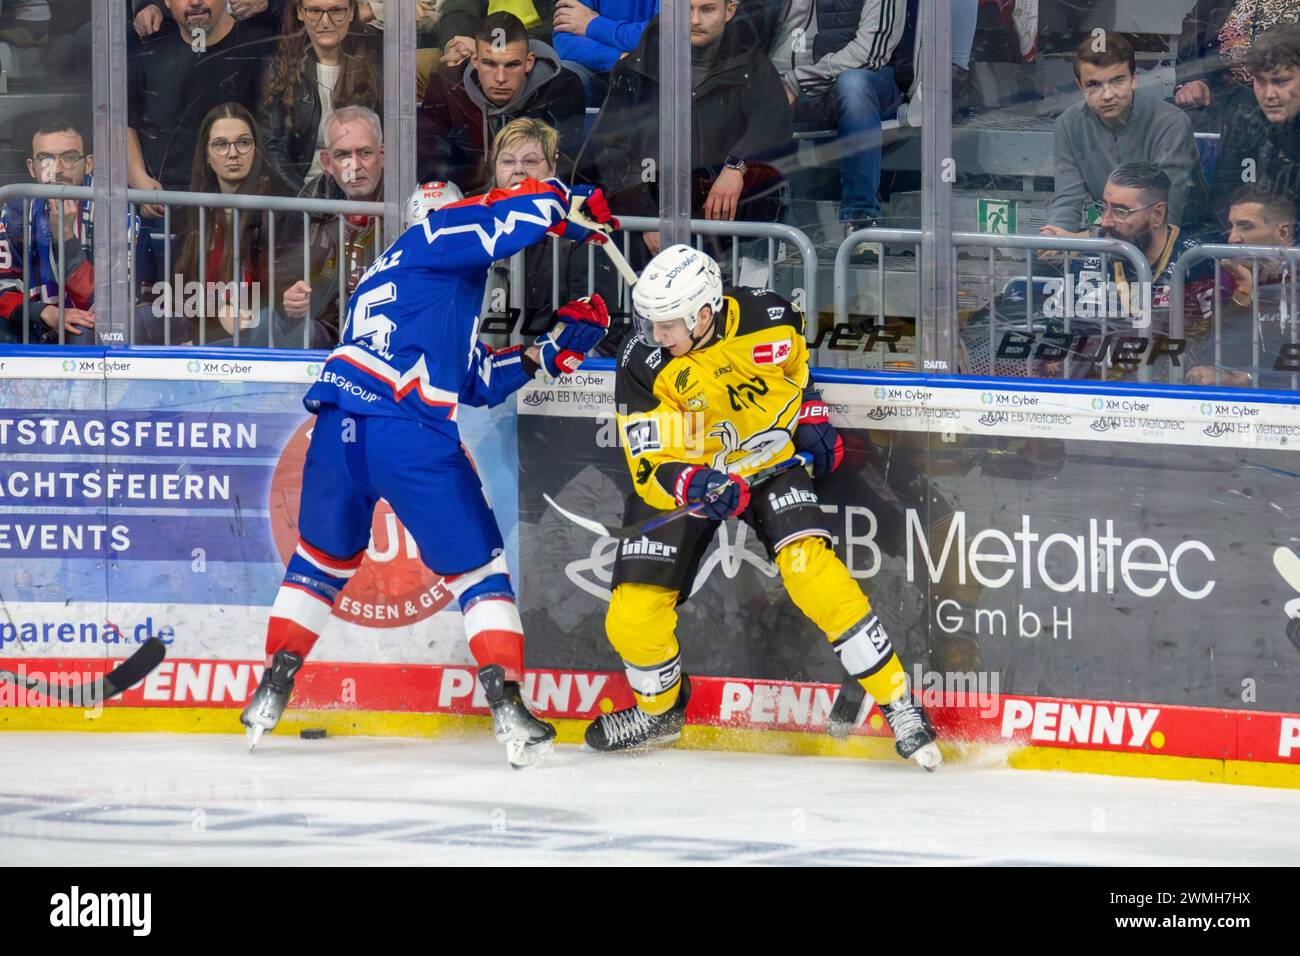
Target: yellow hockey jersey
{"points": [[731, 405]]}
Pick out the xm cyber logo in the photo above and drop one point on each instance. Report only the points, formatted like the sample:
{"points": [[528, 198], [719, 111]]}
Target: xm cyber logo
{"points": [[1287, 563], [594, 573]]}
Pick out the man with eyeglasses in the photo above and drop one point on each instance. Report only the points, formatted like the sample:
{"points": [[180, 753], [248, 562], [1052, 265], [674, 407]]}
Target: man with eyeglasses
{"points": [[509, 76], [353, 160], [204, 58], [59, 158], [1114, 125]]}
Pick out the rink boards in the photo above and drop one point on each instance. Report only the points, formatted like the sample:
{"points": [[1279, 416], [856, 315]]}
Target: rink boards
{"points": [[1087, 576]]}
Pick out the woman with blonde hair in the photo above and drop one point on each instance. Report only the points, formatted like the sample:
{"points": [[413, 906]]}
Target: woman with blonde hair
{"points": [[527, 148]]}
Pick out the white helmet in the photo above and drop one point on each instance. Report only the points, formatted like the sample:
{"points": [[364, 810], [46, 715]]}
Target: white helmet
{"points": [[429, 197], [676, 284]]}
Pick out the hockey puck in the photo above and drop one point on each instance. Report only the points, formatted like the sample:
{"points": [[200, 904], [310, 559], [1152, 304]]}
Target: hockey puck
{"points": [[312, 733]]}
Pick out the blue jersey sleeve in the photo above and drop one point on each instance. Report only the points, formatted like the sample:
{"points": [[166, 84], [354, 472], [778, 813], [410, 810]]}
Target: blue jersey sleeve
{"points": [[474, 233], [493, 376]]}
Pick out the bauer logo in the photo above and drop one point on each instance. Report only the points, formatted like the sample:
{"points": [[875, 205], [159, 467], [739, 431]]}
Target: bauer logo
{"points": [[392, 587], [79, 909]]}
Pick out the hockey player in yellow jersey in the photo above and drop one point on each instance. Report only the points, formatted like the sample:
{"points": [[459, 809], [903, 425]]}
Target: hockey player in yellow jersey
{"points": [[716, 387]]}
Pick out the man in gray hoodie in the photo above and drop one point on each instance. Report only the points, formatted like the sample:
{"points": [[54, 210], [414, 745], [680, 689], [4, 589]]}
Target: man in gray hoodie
{"points": [[508, 77], [1113, 126]]}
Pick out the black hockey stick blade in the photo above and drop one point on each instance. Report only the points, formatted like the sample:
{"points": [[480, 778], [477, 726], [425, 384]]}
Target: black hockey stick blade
{"points": [[638, 528], [123, 677]]}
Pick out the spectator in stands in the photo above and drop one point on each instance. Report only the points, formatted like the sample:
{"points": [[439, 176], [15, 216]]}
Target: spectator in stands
{"points": [[1257, 217], [151, 15], [59, 157], [231, 159], [1111, 126], [509, 76], [1260, 141], [460, 21], [325, 61], [25, 23], [739, 114], [353, 160], [529, 149], [591, 38], [176, 77], [1217, 35], [835, 60]]}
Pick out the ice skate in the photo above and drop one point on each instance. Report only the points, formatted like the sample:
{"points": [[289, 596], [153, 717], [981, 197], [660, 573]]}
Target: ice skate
{"points": [[526, 737], [633, 729], [266, 705], [913, 733]]}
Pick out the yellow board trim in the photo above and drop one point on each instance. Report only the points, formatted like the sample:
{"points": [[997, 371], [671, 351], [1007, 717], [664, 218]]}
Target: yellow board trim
{"points": [[217, 720]]}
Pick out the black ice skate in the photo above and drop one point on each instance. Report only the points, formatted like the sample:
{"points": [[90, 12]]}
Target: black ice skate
{"points": [[913, 733], [844, 714], [266, 705], [633, 728], [526, 737]]}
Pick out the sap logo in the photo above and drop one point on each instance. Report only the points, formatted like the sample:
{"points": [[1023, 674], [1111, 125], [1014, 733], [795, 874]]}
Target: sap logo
{"points": [[1080, 723], [775, 313], [654, 359], [645, 548]]}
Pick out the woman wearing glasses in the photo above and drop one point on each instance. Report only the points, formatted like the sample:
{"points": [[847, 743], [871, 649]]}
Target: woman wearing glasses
{"points": [[529, 148], [229, 159], [325, 60]]}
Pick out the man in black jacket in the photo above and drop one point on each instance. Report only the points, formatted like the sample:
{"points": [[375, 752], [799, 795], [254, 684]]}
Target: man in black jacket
{"points": [[739, 114], [509, 76], [1260, 140]]}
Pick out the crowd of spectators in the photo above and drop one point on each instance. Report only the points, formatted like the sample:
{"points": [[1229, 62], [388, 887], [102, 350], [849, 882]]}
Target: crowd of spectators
{"points": [[285, 98]]}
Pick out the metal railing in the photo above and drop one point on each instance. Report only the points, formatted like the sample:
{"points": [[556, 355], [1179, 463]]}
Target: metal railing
{"points": [[993, 242], [1218, 252], [237, 204]]}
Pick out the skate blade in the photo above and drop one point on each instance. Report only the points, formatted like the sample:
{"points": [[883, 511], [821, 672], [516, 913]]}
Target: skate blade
{"points": [[639, 748], [521, 755], [254, 737], [929, 757]]}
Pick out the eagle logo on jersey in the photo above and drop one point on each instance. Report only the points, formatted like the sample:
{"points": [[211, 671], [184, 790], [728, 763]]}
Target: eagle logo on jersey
{"points": [[753, 452]]}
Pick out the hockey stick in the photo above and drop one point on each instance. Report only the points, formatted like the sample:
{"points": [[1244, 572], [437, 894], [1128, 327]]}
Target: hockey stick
{"points": [[602, 238], [646, 525], [126, 675]]}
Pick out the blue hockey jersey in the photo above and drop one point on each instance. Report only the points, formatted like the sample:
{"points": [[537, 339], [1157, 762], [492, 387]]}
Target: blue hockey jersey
{"points": [[410, 341]]}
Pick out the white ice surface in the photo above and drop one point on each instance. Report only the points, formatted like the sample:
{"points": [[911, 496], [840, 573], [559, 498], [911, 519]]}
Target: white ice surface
{"points": [[178, 799]]}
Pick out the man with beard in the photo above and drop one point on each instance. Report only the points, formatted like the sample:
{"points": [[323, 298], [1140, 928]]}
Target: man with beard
{"points": [[1135, 208]]}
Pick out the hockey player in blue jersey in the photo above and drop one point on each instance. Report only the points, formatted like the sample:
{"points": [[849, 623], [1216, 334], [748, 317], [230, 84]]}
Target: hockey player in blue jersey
{"points": [[386, 404]]}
